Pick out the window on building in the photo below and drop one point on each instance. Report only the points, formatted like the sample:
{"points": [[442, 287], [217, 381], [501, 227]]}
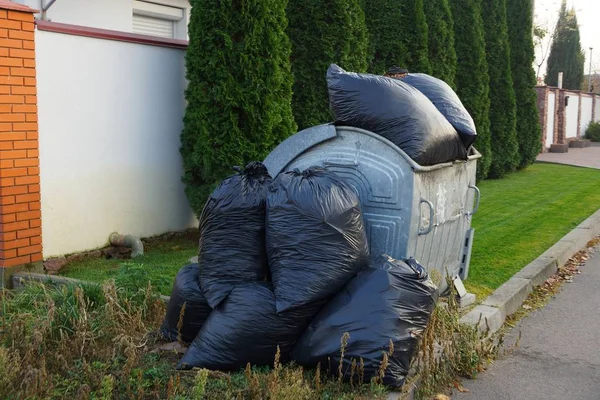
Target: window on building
{"points": [[158, 20]]}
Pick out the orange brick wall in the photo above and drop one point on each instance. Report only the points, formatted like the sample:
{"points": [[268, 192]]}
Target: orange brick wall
{"points": [[20, 215]]}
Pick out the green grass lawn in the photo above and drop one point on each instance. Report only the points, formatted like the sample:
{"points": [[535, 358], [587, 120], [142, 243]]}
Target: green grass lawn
{"points": [[519, 217], [524, 214], [163, 258]]}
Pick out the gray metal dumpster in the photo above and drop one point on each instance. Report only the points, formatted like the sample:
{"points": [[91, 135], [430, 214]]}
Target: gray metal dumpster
{"points": [[410, 210]]}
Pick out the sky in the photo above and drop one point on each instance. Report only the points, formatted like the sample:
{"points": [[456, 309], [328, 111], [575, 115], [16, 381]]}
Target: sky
{"points": [[588, 16]]}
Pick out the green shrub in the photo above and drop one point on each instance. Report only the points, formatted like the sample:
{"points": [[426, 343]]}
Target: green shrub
{"points": [[522, 55], [322, 33], [472, 79], [503, 108], [239, 90], [593, 132]]}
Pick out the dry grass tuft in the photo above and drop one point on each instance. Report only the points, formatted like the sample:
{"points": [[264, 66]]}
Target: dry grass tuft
{"points": [[102, 342], [450, 350]]}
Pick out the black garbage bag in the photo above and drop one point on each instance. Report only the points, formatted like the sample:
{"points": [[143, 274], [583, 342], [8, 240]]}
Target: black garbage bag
{"points": [[245, 328], [396, 111], [232, 233], [447, 102], [186, 290], [391, 300], [316, 240]]}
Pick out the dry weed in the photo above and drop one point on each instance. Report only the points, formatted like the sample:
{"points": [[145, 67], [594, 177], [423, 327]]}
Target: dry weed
{"points": [[71, 331], [449, 350]]}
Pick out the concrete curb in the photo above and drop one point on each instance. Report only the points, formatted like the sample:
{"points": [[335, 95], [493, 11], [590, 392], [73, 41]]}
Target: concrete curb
{"points": [[509, 297], [20, 278]]}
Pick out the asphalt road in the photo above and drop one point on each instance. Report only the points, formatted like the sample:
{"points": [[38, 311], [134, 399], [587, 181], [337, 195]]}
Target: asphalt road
{"points": [[559, 353]]}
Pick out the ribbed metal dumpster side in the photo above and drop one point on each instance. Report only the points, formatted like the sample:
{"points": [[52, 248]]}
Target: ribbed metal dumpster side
{"points": [[410, 210]]}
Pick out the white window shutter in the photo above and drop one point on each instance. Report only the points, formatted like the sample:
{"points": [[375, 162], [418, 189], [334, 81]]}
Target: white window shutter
{"points": [[152, 26]]}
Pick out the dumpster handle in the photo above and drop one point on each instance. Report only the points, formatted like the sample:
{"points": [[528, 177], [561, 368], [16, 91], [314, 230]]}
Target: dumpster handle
{"points": [[430, 227], [340, 164], [476, 189]]}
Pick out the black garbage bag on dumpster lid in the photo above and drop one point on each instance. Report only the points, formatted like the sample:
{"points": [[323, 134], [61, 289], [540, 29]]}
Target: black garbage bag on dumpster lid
{"points": [[245, 328], [232, 233], [186, 290], [316, 240], [447, 102], [396, 111], [391, 300]]}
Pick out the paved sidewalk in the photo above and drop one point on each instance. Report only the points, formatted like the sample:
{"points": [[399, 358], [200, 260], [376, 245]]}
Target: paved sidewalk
{"points": [[585, 157], [558, 357]]}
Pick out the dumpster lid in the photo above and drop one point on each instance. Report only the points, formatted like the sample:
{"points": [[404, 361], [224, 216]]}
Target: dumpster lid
{"points": [[297, 144]]}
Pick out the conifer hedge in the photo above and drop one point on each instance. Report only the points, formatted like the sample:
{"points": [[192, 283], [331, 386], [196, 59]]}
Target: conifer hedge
{"points": [[386, 38], [413, 27], [503, 117], [323, 32], [442, 55], [239, 90], [472, 79], [522, 55]]}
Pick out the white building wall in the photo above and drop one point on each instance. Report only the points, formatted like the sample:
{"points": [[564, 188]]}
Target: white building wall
{"points": [[550, 119], [103, 14], [597, 113], [587, 103], [572, 113], [110, 115]]}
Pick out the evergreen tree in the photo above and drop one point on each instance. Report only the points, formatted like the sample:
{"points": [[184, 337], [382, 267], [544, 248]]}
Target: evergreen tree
{"points": [[239, 90], [386, 44], [503, 111], [566, 54], [413, 26], [472, 79], [522, 55], [442, 55], [323, 32], [398, 35]]}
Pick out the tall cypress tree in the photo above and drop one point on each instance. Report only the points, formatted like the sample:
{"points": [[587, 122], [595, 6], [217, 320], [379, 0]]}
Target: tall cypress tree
{"points": [[413, 25], [442, 55], [503, 108], [566, 54], [386, 44], [323, 32], [472, 79], [239, 90], [522, 55], [398, 35]]}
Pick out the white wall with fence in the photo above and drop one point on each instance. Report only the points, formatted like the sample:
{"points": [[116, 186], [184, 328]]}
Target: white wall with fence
{"points": [[587, 112], [549, 129], [572, 111], [110, 116], [565, 115]]}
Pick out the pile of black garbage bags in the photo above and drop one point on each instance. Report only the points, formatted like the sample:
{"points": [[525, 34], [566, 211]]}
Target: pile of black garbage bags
{"points": [[284, 266], [419, 113]]}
